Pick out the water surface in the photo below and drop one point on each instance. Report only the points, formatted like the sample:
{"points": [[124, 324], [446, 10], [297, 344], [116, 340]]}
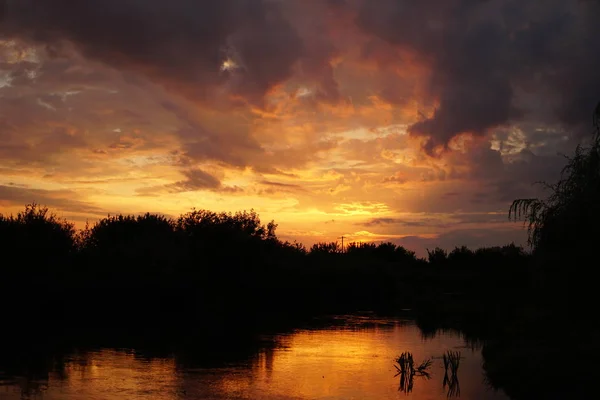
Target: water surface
{"points": [[352, 358]]}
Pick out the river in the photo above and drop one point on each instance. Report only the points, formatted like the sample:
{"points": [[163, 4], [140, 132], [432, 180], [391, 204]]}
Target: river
{"points": [[350, 357]]}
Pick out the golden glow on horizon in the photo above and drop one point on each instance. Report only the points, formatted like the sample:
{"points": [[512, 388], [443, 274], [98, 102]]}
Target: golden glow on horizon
{"points": [[320, 167]]}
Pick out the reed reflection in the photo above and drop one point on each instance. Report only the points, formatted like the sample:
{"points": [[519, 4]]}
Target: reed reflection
{"points": [[451, 364], [408, 370]]}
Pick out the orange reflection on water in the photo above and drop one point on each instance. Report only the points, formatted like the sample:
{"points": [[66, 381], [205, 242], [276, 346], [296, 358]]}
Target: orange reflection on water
{"points": [[354, 363], [350, 362], [111, 374]]}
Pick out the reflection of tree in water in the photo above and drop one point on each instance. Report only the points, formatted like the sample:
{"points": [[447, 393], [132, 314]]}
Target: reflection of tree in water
{"points": [[25, 371], [27, 387], [408, 370]]}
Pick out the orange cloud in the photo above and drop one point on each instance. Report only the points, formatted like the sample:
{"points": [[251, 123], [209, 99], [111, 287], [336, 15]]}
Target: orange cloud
{"points": [[355, 112]]}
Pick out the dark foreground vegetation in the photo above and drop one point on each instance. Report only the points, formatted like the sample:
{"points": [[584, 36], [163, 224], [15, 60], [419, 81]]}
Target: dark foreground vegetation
{"points": [[206, 273], [207, 266]]}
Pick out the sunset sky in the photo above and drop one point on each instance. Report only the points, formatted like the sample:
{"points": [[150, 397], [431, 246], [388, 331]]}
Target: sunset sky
{"points": [[415, 122]]}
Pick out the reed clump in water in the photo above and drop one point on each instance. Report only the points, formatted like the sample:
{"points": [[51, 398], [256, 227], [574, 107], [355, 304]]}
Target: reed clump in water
{"points": [[407, 369], [406, 364]]}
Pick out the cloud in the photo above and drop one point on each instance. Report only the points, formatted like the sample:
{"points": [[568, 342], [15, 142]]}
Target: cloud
{"points": [[319, 109], [400, 222], [480, 53], [64, 200], [39, 150], [440, 221], [397, 178], [282, 186], [180, 43], [279, 184], [220, 137], [506, 178], [96, 120], [195, 180]]}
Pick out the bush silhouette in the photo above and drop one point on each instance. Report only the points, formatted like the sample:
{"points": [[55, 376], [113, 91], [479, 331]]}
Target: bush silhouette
{"points": [[461, 255], [320, 249], [437, 256], [130, 250], [41, 244], [405, 256]]}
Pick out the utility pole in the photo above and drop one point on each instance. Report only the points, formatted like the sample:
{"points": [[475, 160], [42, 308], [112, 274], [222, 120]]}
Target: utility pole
{"points": [[342, 237]]}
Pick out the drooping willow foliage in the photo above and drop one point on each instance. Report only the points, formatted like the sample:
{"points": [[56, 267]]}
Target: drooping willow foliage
{"points": [[569, 217]]}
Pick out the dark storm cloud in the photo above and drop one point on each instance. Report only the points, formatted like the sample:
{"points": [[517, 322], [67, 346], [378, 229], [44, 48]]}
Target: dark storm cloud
{"points": [[513, 176], [313, 21], [180, 43], [481, 52], [528, 175]]}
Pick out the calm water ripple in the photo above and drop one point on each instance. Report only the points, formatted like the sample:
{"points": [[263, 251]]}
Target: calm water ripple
{"points": [[353, 359]]}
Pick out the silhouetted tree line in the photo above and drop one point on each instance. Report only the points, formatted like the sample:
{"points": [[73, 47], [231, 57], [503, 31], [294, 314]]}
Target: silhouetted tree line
{"points": [[221, 264]]}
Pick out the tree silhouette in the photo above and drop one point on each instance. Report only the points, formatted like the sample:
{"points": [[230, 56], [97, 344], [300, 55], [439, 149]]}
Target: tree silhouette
{"points": [[41, 244], [437, 256], [320, 249], [569, 218]]}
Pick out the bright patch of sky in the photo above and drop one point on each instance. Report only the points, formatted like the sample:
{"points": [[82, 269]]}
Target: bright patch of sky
{"points": [[147, 160], [229, 65], [513, 144], [12, 52], [5, 79], [370, 134], [303, 92]]}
